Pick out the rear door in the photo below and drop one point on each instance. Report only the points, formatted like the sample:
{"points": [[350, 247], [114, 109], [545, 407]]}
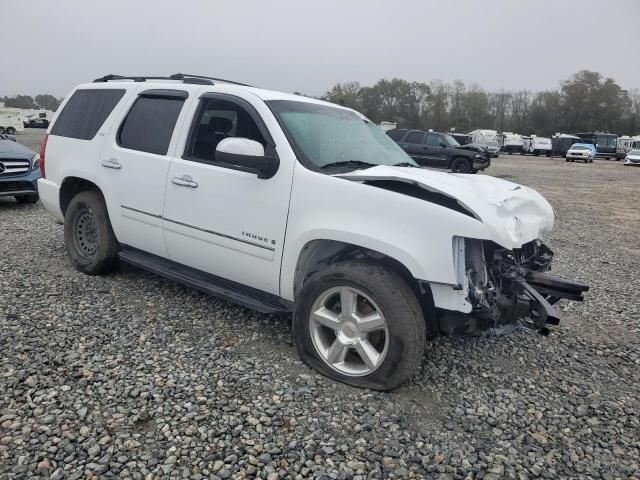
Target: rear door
{"points": [[413, 144], [134, 163]]}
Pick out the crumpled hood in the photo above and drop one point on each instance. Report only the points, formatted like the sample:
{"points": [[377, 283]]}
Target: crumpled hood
{"points": [[513, 214]]}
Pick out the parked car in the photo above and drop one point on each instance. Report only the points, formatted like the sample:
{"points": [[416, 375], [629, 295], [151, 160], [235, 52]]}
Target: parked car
{"points": [[632, 158], [37, 123], [19, 171], [581, 151], [606, 144], [434, 149], [284, 203]]}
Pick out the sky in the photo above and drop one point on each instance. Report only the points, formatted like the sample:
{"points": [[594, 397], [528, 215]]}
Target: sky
{"points": [[310, 45]]}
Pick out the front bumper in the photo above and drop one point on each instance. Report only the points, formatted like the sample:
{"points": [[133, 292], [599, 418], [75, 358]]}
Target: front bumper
{"points": [[481, 164], [629, 161], [19, 185]]}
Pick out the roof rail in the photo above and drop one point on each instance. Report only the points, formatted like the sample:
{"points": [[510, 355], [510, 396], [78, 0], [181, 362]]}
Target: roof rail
{"points": [[180, 76], [185, 78]]}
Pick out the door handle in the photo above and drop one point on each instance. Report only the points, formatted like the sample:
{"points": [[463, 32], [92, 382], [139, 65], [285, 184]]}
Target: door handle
{"points": [[184, 181], [111, 163]]}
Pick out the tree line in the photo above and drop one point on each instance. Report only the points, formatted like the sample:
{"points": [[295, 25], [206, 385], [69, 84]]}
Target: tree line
{"points": [[586, 101], [45, 101]]}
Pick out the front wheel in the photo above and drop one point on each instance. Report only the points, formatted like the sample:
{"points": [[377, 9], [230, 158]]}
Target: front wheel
{"points": [[461, 165], [361, 324], [11, 130], [90, 241]]}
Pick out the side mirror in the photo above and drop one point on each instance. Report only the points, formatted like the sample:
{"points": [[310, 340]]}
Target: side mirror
{"points": [[247, 155]]}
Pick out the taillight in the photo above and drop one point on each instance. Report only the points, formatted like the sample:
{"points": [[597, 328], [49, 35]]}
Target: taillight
{"points": [[43, 148]]}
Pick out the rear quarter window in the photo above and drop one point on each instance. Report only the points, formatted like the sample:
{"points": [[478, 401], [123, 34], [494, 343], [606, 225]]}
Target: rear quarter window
{"points": [[85, 112]]}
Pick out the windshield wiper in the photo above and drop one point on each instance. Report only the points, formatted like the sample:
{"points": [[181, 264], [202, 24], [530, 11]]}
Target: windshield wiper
{"points": [[405, 164], [348, 163]]}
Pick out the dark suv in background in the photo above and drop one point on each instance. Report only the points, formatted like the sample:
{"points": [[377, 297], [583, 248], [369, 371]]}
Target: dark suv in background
{"points": [[435, 149]]}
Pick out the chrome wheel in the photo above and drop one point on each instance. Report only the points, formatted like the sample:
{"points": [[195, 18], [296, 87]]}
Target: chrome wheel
{"points": [[349, 331], [86, 236]]}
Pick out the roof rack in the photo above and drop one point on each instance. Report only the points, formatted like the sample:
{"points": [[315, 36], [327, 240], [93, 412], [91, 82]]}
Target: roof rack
{"points": [[185, 78]]}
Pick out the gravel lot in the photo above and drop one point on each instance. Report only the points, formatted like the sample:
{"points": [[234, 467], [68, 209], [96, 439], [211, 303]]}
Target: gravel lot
{"points": [[134, 376]]}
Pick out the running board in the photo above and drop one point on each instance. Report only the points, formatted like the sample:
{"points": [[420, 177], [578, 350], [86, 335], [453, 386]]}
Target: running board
{"points": [[220, 287]]}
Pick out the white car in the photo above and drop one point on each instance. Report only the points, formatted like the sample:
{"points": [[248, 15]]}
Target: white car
{"points": [[632, 158], [582, 152], [284, 203]]}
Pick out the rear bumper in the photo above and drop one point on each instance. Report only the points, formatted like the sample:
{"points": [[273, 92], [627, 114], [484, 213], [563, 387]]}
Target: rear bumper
{"points": [[50, 197], [11, 186]]}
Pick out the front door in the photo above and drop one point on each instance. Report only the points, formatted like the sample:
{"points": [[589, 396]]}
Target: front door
{"points": [[437, 150], [219, 218], [133, 167]]}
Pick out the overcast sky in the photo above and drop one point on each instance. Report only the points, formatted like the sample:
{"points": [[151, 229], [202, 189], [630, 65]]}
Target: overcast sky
{"points": [[308, 46]]}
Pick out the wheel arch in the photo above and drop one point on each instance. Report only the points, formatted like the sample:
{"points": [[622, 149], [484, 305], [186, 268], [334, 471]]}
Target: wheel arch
{"points": [[319, 253], [71, 186]]}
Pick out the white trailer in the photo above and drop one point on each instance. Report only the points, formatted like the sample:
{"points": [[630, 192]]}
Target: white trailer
{"points": [[511, 143], [536, 145], [486, 137], [10, 122]]}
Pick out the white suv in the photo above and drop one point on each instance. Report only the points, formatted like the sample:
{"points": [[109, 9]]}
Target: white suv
{"points": [[284, 203]]}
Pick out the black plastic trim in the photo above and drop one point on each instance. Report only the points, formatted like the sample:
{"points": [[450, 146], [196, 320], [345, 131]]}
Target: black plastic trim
{"points": [[205, 282], [212, 232]]}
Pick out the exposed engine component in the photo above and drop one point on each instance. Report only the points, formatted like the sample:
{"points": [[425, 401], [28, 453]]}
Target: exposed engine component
{"points": [[505, 285]]}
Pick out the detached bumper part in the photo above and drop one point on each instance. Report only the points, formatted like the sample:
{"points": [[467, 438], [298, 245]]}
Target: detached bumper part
{"points": [[516, 285]]}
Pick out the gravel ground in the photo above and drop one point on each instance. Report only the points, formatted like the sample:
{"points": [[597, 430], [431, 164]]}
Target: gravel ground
{"points": [[133, 376]]}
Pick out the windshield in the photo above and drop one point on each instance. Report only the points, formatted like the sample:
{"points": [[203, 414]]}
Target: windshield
{"points": [[452, 142], [634, 152], [491, 143], [579, 147], [322, 135]]}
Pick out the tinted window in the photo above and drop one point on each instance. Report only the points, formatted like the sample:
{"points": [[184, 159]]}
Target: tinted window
{"points": [[216, 120], [414, 137], [85, 112], [396, 134], [150, 123], [434, 140]]}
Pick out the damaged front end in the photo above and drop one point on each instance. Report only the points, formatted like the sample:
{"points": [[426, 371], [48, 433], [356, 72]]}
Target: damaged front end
{"points": [[505, 285]]}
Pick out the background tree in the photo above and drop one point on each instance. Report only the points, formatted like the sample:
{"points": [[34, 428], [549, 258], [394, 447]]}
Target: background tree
{"points": [[20, 101], [48, 102]]}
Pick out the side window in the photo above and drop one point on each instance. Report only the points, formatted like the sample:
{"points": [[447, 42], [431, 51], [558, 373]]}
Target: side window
{"points": [[85, 112], [433, 140], [415, 137], [216, 120], [396, 135], [149, 125]]}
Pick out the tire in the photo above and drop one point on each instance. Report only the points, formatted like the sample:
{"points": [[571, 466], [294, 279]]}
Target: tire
{"points": [[399, 348], [28, 198], [10, 130], [461, 165], [91, 244], [1, 130]]}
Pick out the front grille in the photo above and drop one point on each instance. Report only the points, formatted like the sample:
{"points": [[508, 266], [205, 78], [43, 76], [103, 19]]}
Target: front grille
{"points": [[15, 186], [13, 167]]}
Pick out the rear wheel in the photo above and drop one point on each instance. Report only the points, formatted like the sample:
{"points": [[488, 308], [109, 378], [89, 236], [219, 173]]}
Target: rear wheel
{"points": [[361, 324], [28, 198], [10, 130], [460, 165], [89, 238], [1, 130]]}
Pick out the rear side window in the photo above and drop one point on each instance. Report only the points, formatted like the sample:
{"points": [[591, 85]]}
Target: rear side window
{"points": [[396, 134], [414, 137], [85, 112], [149, 125]]}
